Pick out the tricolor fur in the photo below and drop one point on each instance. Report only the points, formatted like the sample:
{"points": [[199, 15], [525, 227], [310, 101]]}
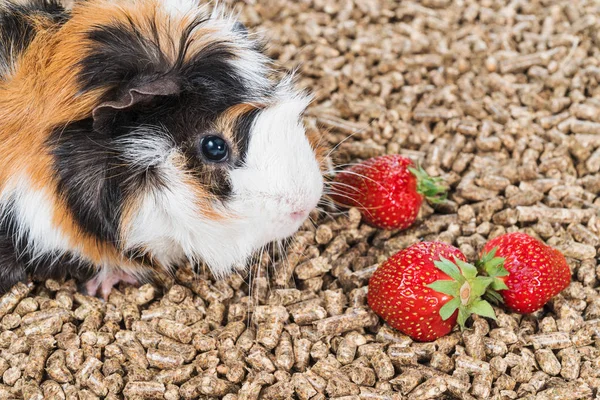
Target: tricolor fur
{"points": [[103, 110]]}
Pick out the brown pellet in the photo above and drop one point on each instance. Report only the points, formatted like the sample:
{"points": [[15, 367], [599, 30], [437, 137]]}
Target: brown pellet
{"points": [[354, 319], [52, 390], [284, 353], [302, 353], [163, 359], [269, 332], [174, 330], [90, 365], [302, 387], [482, 385], [471, 365], [431, 389], [278, 391], [207, 385], [96, 383], [114, 383], [401, 355], [144, 390], [570, 363], [407, 381], [383, 366], [553, 340], [187, 351], [175, 376], [57, 369], [10, 300], [40, 350]]}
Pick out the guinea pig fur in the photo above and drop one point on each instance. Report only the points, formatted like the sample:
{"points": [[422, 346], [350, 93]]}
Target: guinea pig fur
{"points": [[139, 135]]}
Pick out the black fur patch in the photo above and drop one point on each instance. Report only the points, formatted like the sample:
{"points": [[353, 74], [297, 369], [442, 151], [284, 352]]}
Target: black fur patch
{"points": [[90, 177], [17, 30], [17, 261], [120, 54], [12, 270], [122, 57], [242, 134]]}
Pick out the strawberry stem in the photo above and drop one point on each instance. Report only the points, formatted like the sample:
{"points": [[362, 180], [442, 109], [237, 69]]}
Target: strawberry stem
{"points": [[466, 288], [428, 186], [493, 267]]}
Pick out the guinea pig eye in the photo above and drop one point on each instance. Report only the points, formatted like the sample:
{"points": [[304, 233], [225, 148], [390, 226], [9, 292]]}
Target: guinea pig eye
{"points": [[214, 148]]}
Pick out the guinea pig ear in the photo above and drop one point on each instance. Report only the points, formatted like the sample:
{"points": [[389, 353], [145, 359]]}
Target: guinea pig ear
{"points": [[104, 113]]}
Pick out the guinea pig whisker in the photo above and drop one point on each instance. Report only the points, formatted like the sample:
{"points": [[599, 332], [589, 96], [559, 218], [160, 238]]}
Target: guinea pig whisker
{"points": [[335, 192], [291, 242], [259, 264], [367, 178], [337, 169], [283, 258], [343, 141], [251, 283], [362, 207], [332, 208], [344, 185], [312, 221], [332, 215]]}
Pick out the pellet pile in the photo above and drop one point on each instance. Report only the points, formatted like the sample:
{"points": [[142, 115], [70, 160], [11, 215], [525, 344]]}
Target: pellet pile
{"points": [[500, 98]]}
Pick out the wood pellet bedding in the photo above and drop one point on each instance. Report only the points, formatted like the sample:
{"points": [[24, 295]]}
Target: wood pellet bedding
{"points": [[500, 98]]}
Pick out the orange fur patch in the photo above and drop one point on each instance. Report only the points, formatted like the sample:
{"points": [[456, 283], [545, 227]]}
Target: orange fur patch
{"points": [[315, 138]]}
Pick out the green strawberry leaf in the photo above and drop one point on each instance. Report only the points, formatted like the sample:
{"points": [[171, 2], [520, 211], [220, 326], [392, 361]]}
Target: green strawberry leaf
{"points": [[449, 308], [492, 265], [496, 270], [469, 271], [483, 308], [487, 257], [493, 297], [463, 316], [467, 287], [450, 269], [479, 286], [498, 284], [429, 187], [445, 286]]}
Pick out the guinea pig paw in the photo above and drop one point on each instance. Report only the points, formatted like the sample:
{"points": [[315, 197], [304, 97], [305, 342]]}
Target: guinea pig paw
{"points": [[103, 286]]}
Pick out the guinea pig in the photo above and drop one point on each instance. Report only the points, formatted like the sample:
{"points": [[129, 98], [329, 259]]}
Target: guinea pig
{"points": [[139, 135]]}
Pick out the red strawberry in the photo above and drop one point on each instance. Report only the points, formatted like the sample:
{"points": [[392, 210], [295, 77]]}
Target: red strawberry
{"points": [[420, 292], [388, 190], [528, 272]]}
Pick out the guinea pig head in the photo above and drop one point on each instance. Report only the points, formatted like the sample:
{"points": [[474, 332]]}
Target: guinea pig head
{"points": [[193, 151]]}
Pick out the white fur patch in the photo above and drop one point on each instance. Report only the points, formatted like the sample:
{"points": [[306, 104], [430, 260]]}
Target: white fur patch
{"points": [[280, 175], [33, 210], [146, 147], [179, 8]]}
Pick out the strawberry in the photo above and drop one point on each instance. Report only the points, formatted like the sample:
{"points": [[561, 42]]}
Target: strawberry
{"points": [[527, 272], [388, 190], [420, 292]]}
